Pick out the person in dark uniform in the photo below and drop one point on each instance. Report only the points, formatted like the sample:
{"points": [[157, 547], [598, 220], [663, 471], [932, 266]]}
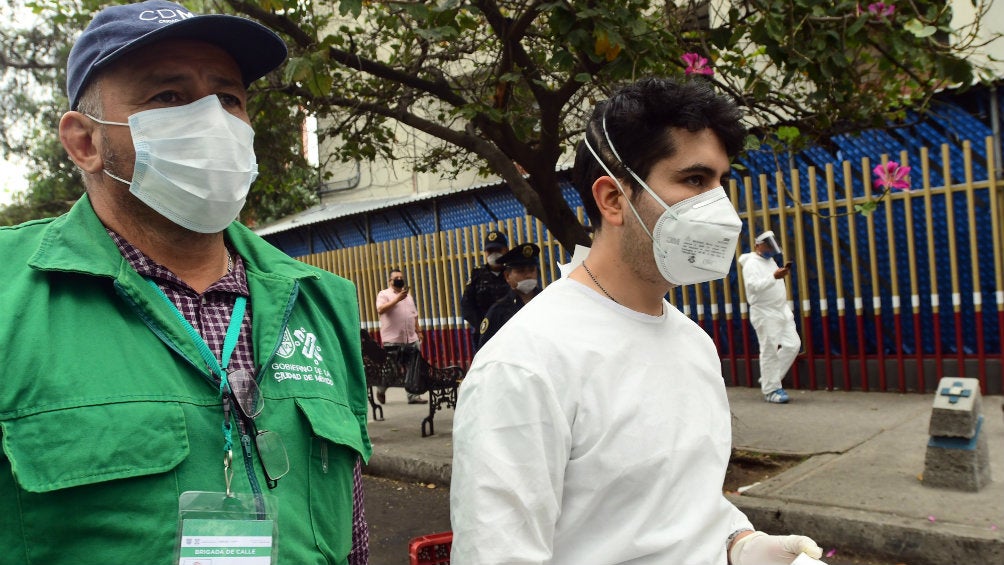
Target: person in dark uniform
{"points": [[522, 271], [486, 283]]}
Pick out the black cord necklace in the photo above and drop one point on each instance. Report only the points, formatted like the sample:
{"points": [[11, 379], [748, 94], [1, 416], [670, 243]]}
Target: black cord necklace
{"points": [[597, 283]]}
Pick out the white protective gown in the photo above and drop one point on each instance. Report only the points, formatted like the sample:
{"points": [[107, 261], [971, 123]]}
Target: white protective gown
{"points": [[771, 318], [588, 433]]}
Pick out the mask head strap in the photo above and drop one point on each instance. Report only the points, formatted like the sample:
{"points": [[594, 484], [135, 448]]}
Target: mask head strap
{"points": [[606, 135], [585, 140], [610, 144]]}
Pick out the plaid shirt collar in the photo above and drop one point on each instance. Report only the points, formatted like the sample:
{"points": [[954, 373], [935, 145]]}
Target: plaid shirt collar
{"points": [[234, 282]]}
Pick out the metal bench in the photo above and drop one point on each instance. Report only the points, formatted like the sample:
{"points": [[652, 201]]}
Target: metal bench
{"points": [[383, 367]]}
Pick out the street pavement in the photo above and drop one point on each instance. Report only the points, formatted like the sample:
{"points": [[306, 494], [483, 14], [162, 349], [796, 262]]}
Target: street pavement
{"points": [[859, 487]]}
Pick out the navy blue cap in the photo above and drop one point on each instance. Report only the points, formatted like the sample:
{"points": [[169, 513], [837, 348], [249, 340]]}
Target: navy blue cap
{"points": [[118, 30], [523, 255], [496, 240]]}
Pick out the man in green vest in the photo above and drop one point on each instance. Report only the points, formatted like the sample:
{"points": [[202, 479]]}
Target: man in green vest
{"points": [[173, 388]]}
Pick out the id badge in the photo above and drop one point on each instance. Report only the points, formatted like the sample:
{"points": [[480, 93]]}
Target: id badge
{"points": [[216, 529]]}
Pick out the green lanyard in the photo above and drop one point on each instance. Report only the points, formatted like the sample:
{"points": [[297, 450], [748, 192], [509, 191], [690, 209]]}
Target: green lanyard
{"points": [[229, 343]]}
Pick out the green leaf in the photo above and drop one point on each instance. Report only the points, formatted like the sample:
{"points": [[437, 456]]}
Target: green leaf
{"points": [[350, 7], [561, 21], [320, 84], [918, 29], [418, 12], [563, 60], [788, 134], [442, 33], [858, 24], [866, 208], [297, 69]]}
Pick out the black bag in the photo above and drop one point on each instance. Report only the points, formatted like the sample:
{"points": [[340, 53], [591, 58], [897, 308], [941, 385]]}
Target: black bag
{"points": [[416, 370]]}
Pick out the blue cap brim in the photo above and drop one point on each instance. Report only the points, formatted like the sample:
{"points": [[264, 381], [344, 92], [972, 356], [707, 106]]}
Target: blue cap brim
{"points": [[256, 49]]}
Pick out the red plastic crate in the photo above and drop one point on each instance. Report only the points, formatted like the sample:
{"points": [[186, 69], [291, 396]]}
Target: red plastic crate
{"points": [[433, 549]]}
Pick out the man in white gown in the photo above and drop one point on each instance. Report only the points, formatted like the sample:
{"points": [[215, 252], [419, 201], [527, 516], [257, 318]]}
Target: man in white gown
{"points": [[594, 427], [770, 315]]}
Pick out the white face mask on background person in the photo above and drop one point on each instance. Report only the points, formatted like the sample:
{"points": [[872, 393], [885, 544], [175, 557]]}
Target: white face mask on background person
{"points": [[493, 259], [526, 286], [694, 240], [194, 163]]}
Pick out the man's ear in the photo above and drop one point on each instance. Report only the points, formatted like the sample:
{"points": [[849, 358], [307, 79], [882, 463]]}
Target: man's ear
{"points": [[79, 136], [608, 199]]}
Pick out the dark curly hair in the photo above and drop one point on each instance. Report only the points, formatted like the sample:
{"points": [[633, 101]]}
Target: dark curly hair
{"points": [[638, 117]]}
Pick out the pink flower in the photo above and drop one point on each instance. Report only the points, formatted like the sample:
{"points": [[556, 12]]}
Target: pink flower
{"points": [[892, 175], [881, 9], [696, 64], [831, 553]]}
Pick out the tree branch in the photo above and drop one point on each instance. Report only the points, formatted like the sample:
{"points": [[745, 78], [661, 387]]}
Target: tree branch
{"points": [[439, 89]]}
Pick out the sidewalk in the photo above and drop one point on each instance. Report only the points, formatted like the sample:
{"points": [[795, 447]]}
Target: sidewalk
{"points": [[859, 487]]}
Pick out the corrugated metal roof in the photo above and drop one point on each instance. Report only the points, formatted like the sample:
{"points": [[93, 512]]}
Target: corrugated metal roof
{"points": [[335, 210]]}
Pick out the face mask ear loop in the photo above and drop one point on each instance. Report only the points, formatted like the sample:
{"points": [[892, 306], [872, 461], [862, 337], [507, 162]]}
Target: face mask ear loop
{"points": [[120, 179], [103, 122]]}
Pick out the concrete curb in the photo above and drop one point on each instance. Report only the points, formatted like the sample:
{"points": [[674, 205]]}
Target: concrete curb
{"points": [[881, 535], [408, 469]]}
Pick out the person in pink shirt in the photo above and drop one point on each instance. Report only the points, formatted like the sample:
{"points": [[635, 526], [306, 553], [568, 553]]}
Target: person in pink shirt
{"points": [[399, 329]]}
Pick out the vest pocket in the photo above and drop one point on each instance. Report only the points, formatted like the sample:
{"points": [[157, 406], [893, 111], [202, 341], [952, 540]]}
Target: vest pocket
{"points": [[336, 423], [336, 444], [90, 478], [92, 444]]}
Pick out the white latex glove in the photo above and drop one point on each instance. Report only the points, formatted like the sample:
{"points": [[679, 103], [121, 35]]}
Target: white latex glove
{"points": [[759, 548]]}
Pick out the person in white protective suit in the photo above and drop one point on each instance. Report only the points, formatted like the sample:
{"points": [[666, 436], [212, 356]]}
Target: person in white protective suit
{"points": [[594, 427], [770, 315]]}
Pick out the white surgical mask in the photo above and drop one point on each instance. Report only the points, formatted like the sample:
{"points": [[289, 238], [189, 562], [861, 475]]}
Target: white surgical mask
{"points": [[493, 259], [695, 239], [194, 163], [526, 286]]}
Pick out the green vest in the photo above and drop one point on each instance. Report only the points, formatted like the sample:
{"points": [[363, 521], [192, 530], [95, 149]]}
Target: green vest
{"points": [[106, 414]]}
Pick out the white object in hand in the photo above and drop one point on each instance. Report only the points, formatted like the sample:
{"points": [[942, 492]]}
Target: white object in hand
{"points": [[804, 559], [759, 548]]}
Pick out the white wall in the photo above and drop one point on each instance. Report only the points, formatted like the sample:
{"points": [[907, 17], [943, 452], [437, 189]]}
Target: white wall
{"points": [[990, 27], [387, 179]]}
